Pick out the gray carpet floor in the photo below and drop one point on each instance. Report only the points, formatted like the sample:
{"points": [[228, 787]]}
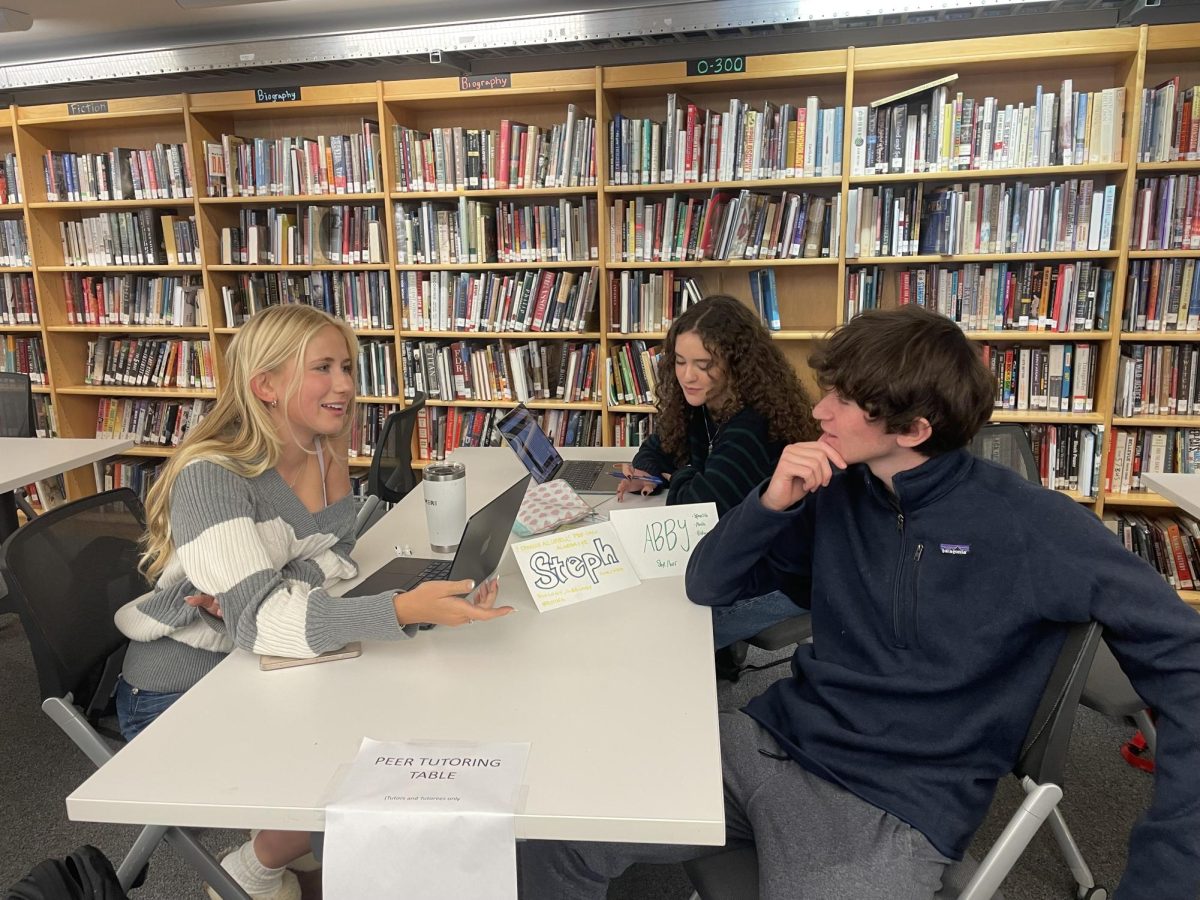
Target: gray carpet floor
{"points": [[39, 766]]}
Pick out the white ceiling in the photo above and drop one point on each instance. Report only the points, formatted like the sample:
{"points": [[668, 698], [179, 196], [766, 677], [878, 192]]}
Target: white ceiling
{"points": [[64, 29]]}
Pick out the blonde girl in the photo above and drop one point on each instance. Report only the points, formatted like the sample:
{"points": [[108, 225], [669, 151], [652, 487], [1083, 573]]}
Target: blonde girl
{"points": [[250, 524]]}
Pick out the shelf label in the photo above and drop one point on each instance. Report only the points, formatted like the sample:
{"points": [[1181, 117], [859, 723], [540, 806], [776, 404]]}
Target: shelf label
{"points": [[90, 108], [485, 82], [276, 95], [716, 65]]}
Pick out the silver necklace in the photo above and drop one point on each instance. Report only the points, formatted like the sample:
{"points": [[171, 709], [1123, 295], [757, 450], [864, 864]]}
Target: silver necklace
{"points": [[712, 435]]}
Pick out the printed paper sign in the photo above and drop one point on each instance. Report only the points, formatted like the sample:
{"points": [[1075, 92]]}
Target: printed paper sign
{"points": [[570, 566], [434, 818], [659, 539]]}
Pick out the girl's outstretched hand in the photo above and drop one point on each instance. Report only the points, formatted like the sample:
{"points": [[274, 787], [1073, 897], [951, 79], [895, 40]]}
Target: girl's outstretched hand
{"points": [[445, 603]]}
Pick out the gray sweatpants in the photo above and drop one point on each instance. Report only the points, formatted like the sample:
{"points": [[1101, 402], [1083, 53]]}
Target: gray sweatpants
{"points": [[815, 841]]}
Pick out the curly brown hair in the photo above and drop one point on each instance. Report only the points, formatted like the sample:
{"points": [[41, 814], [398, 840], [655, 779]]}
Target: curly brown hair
{"points": [[755, 374]]}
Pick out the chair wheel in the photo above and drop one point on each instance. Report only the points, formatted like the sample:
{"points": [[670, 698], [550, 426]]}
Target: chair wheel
{"points": [[1093, 893]]}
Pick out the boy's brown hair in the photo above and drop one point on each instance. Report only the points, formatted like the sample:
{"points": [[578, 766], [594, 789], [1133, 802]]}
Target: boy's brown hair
{"points": [[908, 363]]}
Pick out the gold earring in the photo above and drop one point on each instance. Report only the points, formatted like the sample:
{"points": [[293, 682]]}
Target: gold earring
{"points": [[274, 404]]}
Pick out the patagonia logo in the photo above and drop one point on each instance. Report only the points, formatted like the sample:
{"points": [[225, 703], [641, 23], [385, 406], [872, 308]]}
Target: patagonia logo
{"points": [[956, 549]]}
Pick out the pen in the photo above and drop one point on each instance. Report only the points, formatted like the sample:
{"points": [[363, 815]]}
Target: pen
{"points": [[653, 479]]}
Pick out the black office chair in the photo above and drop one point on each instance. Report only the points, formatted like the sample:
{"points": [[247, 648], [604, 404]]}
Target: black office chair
{"points": [[1108, 690], [68, 572], [391, 476], [1008, 445], [733, 874], [17, 419]]}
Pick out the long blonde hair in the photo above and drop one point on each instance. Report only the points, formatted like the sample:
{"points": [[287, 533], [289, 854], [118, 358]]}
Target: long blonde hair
{"points": [[238, 432]]}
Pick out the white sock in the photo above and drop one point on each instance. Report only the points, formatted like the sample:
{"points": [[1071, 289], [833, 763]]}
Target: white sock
{"points": [[247, 871]]}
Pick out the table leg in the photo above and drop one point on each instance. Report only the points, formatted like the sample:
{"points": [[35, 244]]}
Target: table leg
{"points": [[8, 514]]}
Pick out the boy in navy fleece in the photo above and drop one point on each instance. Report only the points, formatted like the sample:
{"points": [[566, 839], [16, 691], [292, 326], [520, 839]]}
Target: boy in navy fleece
{"points": [[940, 586]]}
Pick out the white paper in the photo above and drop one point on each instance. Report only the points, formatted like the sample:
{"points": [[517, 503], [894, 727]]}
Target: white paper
{"points": [[659, 539], [425, 820], [570, 566]]}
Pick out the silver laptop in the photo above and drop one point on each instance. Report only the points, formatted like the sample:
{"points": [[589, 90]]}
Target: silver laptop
{"points": [[478, 556], [533, 448]]}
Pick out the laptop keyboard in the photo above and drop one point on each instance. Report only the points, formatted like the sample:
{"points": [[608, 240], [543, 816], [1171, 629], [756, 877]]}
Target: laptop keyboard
{"points": [[438, 570], [581, 475]]}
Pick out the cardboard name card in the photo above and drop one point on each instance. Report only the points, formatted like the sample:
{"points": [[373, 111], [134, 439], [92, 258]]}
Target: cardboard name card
{"points": [[659, 539], [571, 566]]}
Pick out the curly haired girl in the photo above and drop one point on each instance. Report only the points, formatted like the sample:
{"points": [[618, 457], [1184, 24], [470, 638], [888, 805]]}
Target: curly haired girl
{"points": [[728, 403]]}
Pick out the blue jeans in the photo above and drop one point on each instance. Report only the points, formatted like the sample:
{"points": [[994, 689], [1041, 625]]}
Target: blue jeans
{"points": [[745, 618], [137, 708]]}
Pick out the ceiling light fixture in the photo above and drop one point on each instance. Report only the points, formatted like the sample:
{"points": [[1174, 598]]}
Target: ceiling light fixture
{"points": [[14, 20], [210, 4]]}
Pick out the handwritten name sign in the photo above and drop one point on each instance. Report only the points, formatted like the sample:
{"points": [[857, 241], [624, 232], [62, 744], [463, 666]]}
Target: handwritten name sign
{"points": [[659, 539], [565, 568]]}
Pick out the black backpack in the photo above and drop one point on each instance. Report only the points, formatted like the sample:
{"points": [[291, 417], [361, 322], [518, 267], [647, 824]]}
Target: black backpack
{"points": [[84, 875]]}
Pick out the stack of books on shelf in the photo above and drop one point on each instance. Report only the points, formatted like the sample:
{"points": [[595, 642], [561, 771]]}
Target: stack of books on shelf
{"points": [[114, 239], [152, 423], [135, 300], [514, 156], [181, 241], [161, 172], [1060, 297], [631, 429], [1068, 456], [694, 144], [45, 422], [441, 430], [361, 298], [1170, 123], [312, 235], [25, 355], [997, 297], [14, 243], [478, 231], [1169, 543], [376, 369], [650, 301], [1162, 295], [18, 300], [1167, 213], [1076, 214], [136, 473], [1134, 451], [262, 167], [726, 225], [367, 426], [563, 371], [550, 300], [928, 129], [1158, 380], [10, 180], [1055, 377], [150, 362], [631, 373]]}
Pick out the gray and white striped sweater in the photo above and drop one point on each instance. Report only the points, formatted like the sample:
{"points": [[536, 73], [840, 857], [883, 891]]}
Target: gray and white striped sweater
{"points": [[253, 544]]}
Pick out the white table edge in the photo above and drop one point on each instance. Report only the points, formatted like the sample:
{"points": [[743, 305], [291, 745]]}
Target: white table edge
{"points": [[97, 452]]}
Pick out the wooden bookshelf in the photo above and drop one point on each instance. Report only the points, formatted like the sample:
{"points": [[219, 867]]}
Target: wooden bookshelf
{"points": [[812, 291]]}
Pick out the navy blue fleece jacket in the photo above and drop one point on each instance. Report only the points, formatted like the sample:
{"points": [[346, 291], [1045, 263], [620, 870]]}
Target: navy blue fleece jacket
{"points": [[938, 612]]}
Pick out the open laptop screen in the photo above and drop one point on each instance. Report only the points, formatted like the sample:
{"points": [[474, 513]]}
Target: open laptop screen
{"points": [[530, 443]]}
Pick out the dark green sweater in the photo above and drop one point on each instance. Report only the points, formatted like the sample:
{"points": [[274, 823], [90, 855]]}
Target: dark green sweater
{"points": [[742, 455]]}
